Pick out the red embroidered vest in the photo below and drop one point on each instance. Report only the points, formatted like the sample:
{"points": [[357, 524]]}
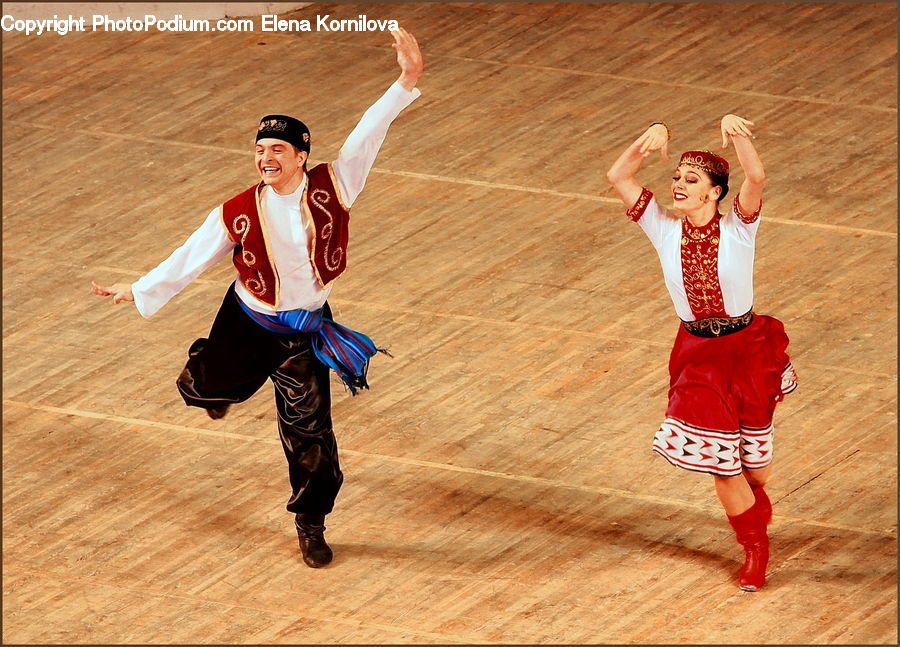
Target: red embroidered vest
{"points": [[330, 218], [700, 268]]}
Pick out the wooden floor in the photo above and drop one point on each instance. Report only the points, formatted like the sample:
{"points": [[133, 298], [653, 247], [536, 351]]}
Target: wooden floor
{"points": [[499, 484]]}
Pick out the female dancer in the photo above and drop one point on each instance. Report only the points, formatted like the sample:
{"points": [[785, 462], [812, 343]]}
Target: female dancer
{"points": [[728, 368]]}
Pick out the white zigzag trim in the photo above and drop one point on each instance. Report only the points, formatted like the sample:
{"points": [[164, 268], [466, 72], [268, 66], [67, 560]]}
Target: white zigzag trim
{"points": [[788, 379], [697, 449]]}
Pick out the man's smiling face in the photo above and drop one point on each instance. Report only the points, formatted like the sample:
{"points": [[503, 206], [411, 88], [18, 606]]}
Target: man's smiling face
{"points": [[279, 164]]}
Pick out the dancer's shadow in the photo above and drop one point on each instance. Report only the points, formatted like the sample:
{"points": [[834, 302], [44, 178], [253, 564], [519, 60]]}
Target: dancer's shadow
{"points": [[528, 509]]}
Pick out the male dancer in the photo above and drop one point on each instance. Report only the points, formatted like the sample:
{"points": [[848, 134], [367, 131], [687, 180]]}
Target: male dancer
{"points": [[288, 237]]}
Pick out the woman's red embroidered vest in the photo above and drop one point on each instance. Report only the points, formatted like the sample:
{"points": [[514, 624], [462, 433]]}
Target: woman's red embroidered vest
{"points": [[330, 220]]}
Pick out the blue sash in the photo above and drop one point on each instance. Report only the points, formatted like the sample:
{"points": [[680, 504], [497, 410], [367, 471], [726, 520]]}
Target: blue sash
{"points": [[345, 351]]}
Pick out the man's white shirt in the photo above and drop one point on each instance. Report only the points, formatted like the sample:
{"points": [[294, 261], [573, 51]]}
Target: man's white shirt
{"points": [[288, 230]]}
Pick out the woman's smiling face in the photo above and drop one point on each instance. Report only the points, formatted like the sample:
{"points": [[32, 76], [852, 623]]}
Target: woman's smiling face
{"points": [[692, 188]]}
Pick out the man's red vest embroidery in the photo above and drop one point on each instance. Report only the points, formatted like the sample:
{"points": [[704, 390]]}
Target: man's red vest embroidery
{"points": [[331, 233]]}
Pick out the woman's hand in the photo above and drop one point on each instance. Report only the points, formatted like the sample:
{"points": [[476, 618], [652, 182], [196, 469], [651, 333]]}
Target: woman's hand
{"points": [[735, 126], [622, 173], [655, 138]]}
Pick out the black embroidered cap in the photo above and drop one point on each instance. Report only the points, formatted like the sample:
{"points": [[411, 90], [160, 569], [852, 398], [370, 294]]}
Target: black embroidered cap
{"points": [[287, 129]]}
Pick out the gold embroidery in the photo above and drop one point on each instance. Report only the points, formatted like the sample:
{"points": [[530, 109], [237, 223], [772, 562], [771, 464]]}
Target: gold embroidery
{"points": [[266, 246], [312, 239], [697, 233], [709, 164], [332, 259], [337, 188], [640, 206], [272, 124], [256, 286], [699, 267], [718, 326], [241, 227], [744, 218]]}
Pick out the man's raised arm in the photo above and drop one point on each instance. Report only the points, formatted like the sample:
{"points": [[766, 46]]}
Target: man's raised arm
{"points": [[358, 153]]}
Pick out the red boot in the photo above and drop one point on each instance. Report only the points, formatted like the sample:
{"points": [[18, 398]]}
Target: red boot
{"points": [[750, 529], [763, 499]]}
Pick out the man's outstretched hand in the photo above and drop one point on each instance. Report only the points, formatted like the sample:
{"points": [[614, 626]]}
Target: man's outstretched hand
{"points": [[409, 58], [118, 291]]}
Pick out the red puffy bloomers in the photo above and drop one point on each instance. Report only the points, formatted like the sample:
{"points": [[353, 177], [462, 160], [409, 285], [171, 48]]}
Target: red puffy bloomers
{"points": [[722, 396]]}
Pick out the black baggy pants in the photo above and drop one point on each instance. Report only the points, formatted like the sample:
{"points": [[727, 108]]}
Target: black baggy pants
{"points": [[234, 362]]}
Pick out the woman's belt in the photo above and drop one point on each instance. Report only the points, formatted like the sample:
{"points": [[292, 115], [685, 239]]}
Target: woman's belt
{"points": [[717, 326]]}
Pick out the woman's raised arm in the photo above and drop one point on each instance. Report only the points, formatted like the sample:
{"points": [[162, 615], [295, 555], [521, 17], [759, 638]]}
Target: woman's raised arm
{"points": [[737, 128], [622, 173]]}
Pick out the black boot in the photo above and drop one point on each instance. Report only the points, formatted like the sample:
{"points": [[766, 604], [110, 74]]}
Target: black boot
{"points": [[217, 413], [311, 533]]}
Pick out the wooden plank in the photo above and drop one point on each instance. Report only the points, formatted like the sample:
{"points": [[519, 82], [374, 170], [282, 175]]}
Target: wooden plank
{"points": [[500, 487]]}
